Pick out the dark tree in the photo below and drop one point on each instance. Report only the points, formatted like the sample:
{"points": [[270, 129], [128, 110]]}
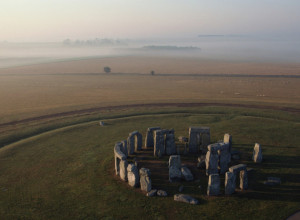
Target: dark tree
{"points": [[107, 69], [152, 72]]}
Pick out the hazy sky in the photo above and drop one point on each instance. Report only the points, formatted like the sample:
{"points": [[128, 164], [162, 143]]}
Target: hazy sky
{"points": [[55, 20]]}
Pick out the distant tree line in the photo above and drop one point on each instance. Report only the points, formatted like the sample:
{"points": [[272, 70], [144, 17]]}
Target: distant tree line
{"points": [[95, 42]]}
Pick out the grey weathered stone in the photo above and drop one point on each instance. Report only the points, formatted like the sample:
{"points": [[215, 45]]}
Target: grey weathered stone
{"points": [[228, 139], [237, 168], [257, 153], [230, 183], [149, 140], [145, 180], [186, 199], [123, 170], [133, 175], [175, 161], [170, 143], [213, 187], [174, 174], [119, 155], [187, 174], [201, 162], [159, 143], [271, 181], [152, 193], [211, 162], [174, 168], [162, 193], [124, 147], [243, 179], [134, 142], [224, 157], [199, 137]]}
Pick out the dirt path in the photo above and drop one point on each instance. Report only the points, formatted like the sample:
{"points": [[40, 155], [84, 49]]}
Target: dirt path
{"points": [[97, 109]]}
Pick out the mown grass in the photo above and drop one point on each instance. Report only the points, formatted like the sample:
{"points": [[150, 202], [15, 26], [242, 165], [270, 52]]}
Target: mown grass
{"points": [[68, 173]]}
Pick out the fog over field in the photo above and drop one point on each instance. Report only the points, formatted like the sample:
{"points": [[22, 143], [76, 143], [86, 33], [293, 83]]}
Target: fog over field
{"points": [[205, 47]]}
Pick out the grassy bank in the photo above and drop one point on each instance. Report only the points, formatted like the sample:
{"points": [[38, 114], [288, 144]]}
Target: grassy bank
{"points": [[67, 173]]}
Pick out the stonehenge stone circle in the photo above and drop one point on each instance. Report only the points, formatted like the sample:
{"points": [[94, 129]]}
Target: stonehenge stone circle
{"points": [[133, 175], [213, 187], [257, 154], [145, 180], [216, 161]]}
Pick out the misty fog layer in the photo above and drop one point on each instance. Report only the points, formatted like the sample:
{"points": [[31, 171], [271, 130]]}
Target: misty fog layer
{"points": [[225, 48]]}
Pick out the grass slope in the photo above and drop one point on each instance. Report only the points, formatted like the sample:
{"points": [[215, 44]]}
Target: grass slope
{"points": [[68, 173]]}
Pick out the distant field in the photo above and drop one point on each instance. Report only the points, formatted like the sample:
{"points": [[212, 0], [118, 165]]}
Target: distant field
{"points": [[163, 64], [56, 87], [67, 173]]}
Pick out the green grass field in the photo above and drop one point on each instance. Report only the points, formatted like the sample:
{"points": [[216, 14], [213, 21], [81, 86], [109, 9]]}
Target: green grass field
{"points": [[65, 168]]}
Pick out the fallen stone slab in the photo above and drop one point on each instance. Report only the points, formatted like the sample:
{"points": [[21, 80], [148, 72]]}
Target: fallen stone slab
{"points": [[272, 181], [152, 193], [186, 199], [162, 193], [187, 174]]}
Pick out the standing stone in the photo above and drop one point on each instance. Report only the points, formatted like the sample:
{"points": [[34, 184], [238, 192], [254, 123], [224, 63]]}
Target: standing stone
{"points": [[170, 143], [213, 187], [119, 155], [145, 180], [229, 183], [159, 143], [123, 170], [199, 137], [134, 142], [186, 173], [228, 140], [243, 179], [225, 157], [211, 162], [257, 154], [124, 147], [139, 143], [133, 175], [130, 144], [174, 168], [149, 140]]}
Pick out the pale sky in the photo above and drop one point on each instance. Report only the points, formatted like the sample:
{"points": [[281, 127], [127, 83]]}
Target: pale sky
{"points": [[55, 20]]}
